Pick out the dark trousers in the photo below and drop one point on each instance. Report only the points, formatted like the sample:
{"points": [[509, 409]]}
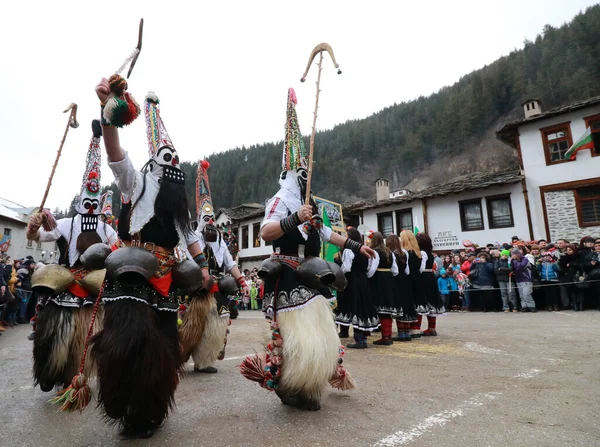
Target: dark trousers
{"points": [[482, 298], [551, 293]]}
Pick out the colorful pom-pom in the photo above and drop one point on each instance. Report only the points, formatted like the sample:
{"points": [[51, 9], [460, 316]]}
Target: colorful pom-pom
{"points": [[205, 164], [179, 322]]}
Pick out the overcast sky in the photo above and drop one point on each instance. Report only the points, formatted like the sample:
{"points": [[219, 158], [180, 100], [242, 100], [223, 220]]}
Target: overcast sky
{"points": [[222, 69]]}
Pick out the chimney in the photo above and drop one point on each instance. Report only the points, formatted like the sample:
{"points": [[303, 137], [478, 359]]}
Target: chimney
{"points": [[382, 188], [531, 107]]}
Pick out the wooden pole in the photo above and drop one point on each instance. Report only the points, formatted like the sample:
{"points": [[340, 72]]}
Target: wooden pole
{"points": [[71, 123], [314, 131]]}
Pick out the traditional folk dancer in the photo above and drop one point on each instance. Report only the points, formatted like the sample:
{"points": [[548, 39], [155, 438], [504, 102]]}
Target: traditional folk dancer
{"points": [[404, 288], [203, 331], [68, 290], [356, 307], [137, 352], [384, 271], [415, 264], [429, 299], [305, 351]]}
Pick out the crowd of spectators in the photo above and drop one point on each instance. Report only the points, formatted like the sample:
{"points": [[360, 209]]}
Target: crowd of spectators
{"points": [[16, 303], [522, 276]]}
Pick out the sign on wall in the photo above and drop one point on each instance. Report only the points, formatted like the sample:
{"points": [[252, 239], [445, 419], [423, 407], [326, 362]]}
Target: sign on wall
{"points": [[445, 240]]}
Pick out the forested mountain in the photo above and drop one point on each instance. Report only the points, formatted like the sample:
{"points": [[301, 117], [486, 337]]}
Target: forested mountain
{"points": [[430, 138]]}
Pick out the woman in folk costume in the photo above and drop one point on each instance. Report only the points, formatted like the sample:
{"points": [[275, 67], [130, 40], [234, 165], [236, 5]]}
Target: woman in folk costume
{"points": [[404, 288], [384, 270], [69, 290], [137, 352], [305, 351], [203, 332], [415, 264], [429, 300], [356, 307]]}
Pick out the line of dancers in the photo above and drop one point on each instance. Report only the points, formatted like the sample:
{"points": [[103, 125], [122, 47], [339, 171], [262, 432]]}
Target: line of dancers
{"points": [[399, 284]]}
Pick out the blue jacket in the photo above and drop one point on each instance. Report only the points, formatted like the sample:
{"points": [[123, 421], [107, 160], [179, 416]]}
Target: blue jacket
{"points": [[446, 285], [549, 271], [486, 276]]}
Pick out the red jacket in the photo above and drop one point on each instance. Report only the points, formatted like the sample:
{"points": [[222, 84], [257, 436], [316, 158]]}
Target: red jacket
{"points": [[466, 267]]}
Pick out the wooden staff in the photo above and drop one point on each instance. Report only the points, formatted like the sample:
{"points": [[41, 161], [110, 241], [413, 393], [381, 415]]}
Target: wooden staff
{"points": [[74, 124], [319, 49]]}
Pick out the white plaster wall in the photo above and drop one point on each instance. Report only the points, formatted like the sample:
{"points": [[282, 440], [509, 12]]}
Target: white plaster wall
{"points": [[538, 174], [263, 250], [370, 216], [18, 245], [443, 218]]}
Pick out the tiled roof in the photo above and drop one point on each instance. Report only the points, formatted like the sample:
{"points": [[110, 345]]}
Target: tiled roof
{"points": [[509, 131], [466, 182], [244, 211]]}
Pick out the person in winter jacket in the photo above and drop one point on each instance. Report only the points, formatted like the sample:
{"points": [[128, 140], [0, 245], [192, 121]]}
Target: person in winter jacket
{"points": [[508, 291], [523, 278], [448, 289], [549, 271], [570, 264], [483, 281], [465, 268]]}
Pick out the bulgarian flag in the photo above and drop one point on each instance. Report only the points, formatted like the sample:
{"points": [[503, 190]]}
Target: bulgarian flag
{"points": [[416, 227], [585, 141]]}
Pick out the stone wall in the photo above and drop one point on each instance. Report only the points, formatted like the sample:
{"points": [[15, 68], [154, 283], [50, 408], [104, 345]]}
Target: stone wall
{"points": [[562, 217]]}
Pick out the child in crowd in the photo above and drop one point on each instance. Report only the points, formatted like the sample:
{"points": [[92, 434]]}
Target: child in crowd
{"points": [[508, 292], [448, 289]]}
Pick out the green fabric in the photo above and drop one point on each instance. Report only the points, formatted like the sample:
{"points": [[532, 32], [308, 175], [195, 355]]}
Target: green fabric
{"points": [[328, 250]]}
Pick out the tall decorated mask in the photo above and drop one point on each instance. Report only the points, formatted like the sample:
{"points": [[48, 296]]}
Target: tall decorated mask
{"points": [[89, 197], [164, 159], [204, 206]]}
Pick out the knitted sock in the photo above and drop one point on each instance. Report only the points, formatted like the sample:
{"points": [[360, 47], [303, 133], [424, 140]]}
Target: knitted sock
{"points": [[431, 323], [416, 325], [386, 328]]}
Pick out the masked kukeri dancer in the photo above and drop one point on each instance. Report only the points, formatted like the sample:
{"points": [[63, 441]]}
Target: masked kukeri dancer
{"points": [[137, 352], [203, 332], [68, 290], [305, 351]]}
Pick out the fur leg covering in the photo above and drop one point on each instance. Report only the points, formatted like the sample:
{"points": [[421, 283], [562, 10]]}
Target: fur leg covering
{"points": [[136, 355], [207, 351], [81, 321], [192, 327], [310, 351], [51, 345]]}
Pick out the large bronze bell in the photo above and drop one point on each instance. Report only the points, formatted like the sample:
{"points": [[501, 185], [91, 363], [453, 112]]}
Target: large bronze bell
{"points": [[187, 276], [92, 282], [51, 280], [93, 258], [315, 273], [127, 263], [340, 281], [269, 267], [228, 285]]}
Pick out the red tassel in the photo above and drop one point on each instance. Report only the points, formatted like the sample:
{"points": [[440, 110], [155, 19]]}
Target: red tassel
{"points": [[76, 397], [253, 367]]}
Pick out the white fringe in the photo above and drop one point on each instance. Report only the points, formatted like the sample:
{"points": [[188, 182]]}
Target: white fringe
{"points": [[205, 354], [126, 61], [310, 348]]}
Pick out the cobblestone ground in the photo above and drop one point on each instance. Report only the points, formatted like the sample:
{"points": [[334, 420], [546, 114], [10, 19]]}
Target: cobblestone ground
{"points": [[487, 380]]}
